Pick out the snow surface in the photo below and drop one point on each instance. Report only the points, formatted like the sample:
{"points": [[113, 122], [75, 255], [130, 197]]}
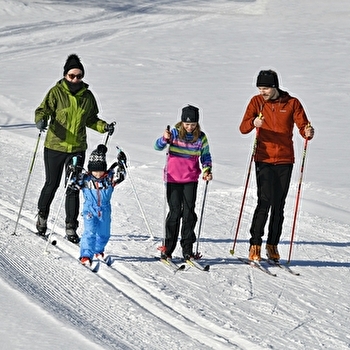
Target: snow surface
{"points": [[144, 61]]}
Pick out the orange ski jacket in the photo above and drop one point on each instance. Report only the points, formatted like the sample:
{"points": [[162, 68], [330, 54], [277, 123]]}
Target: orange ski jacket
{"points": [[275, 137]]}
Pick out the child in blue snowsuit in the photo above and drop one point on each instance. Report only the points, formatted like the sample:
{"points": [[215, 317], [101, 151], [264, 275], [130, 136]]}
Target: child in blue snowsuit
{"points": [[97, 186]]}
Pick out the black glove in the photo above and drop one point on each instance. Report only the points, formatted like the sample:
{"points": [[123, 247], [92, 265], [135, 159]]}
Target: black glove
{"points": [[41, 125], [120, 174], [110, 128], [122, 159]]}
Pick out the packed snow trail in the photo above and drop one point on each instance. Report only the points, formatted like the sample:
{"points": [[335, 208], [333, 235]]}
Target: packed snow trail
{"points": [[143, 67], [103, 305]]}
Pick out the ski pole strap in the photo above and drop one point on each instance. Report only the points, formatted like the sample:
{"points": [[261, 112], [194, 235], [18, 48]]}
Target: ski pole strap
{"points": [[108, 134]]}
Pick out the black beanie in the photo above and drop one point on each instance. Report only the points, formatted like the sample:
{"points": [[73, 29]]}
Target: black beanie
{"points": [[73, 61], [190, 114], [97, 159], [267, 78]]}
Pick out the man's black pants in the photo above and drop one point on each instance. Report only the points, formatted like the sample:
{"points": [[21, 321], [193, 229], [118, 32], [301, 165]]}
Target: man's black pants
{"points": [[272, 188]]}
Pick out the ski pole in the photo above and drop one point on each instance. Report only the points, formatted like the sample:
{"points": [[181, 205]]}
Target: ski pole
{"points": [[27, 182], [162, 248], [297, 199], [74, 162], [108, 135], [137, 197], [255, 145], [198, 255]]}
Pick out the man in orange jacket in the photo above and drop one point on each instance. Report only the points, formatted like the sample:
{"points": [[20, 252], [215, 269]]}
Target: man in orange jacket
{"points": [[273, 113]]}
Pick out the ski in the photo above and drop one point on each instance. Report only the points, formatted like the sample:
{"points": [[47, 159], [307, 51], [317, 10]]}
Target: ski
{"points": [[45, 238], [107, 260], [94, 267], [170, 264], [97, 261], [193, 263], [256, 264], [281, 266]]}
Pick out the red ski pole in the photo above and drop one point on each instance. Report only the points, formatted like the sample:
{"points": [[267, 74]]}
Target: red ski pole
{"points": [[297, 200], [232, 251]]}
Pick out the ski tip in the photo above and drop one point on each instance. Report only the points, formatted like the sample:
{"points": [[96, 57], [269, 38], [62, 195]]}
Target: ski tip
{"points": [[206, 268], [108, 260], [95, 267], [182, 267]]}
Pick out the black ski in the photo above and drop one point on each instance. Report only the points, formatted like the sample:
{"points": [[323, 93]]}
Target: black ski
{"points": [[107, 260], [97, 261], [256, 264], [94, 267]]}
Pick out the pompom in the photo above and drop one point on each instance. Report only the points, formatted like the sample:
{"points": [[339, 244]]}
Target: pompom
{"points": [[102, 149], [73, 61]]}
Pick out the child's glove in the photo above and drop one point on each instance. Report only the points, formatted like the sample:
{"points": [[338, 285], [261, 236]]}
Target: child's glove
{"points": [[122, 159], [74, 173], [120, 174]]}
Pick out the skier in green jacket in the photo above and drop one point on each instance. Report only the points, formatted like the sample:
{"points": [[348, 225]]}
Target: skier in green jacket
{"points": [[67, 109]]}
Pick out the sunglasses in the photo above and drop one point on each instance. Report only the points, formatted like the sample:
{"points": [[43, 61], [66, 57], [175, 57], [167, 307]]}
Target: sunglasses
{"points": [[73, 76]]}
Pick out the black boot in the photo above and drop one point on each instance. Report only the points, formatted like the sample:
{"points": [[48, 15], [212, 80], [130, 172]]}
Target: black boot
{"points": [[71, 233], [41, 224]]}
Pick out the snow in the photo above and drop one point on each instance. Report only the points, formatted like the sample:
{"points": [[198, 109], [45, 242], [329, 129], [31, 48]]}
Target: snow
{"points": [[144, 61]]}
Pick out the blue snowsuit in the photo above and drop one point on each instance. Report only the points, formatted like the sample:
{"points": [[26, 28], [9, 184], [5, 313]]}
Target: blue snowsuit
{"points": [[96, 213]]}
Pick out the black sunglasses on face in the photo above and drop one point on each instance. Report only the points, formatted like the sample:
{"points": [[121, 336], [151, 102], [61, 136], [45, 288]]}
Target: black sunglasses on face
{"points": [[73, 76]]}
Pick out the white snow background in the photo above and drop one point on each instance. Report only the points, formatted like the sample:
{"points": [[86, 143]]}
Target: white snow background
{"points": [[144, 61]]}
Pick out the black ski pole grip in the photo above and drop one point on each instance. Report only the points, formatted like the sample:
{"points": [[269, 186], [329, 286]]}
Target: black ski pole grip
{"points": [[168, 129]]}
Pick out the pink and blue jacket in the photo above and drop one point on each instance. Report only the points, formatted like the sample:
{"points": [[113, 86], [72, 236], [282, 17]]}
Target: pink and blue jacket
{"points": [[183, 157]]}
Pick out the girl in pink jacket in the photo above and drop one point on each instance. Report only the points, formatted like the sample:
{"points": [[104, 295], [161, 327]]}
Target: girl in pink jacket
{"points": [[188, 146]]}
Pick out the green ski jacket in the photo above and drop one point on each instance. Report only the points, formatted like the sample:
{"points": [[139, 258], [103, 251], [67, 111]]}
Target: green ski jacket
{"points": [[68, 116]]}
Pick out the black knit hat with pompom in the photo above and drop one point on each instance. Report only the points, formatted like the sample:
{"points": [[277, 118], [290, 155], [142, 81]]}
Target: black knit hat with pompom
{"points": [[73, 61], [97, 159]]}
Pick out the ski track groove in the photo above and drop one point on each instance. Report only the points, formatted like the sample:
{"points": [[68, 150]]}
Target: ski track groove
{"points": [[169, 304], [42, 281], [146, 296], [60, 295], [124, 22], [289, 319]]}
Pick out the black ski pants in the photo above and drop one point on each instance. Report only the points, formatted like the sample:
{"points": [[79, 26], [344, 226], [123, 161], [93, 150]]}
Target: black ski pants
{"points": [[181, 200], [55, 162], [272, 186]]}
